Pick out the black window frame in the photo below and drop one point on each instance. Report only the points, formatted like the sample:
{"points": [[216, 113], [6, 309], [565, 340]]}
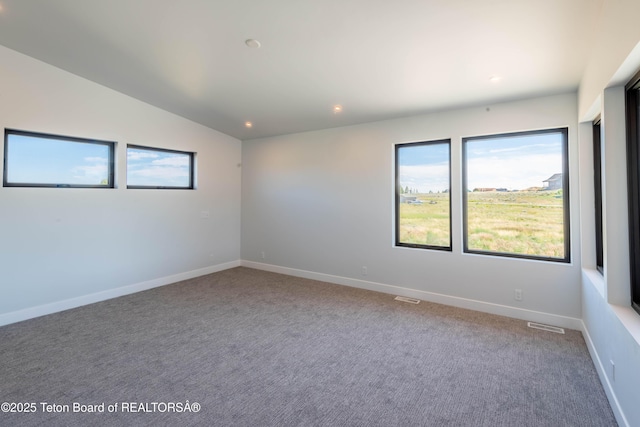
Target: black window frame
{"points": [[191, 156], [597, 186], [398, 243], [565, 197], [632, 100], [111, 161]]}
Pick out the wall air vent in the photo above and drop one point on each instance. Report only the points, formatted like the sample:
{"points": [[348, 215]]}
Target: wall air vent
{"points": [[545, 327], [407, 299]]}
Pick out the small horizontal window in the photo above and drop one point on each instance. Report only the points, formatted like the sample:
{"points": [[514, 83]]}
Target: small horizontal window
{"points": [[158, 168], [41, 160]]}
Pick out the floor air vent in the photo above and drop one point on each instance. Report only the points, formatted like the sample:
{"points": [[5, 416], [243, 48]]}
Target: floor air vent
{"points": [[545, 327], [407, 299]]}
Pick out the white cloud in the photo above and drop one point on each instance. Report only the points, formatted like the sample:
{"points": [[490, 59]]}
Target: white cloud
{"points": [[520, 148], [162, 172], [139, 155], [515, 173], [90, 174], [425, 178], [172, 161]]}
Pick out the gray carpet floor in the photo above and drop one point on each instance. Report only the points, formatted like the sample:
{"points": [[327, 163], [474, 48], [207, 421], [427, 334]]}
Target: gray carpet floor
{"points": [[253, 348]]}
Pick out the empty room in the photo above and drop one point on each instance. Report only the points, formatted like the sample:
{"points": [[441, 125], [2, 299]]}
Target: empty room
{"points": [[320, 213]]}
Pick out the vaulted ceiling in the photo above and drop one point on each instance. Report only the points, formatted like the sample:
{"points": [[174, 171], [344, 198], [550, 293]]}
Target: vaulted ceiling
{"points": [[378, 59]]}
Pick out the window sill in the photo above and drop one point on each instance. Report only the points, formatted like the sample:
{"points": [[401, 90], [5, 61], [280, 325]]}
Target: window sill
{"points": [[596, 279], [630, 320], [627, 316]]}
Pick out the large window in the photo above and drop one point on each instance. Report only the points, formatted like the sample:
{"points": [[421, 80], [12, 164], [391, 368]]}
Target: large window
{"points": [[633, 168], [597, 182], [41, 160], [158, 168], [516, 195], [423, 202]]}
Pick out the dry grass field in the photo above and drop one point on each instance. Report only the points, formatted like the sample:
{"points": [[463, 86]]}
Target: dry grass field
{"points": [[426, 223], [525, 223]]}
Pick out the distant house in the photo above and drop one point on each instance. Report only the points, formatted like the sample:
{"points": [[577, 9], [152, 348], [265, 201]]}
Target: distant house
{"points": [[553, 183], [407, 199]]}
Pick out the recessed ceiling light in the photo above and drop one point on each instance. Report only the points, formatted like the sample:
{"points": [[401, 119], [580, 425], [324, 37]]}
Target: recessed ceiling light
{"points": [[337, 109], [495, 79], [248, 125], [252, 43]]}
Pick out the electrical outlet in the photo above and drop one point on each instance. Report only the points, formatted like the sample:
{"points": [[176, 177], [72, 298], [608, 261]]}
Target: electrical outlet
{"points": [[517, 295], [364, 271]]}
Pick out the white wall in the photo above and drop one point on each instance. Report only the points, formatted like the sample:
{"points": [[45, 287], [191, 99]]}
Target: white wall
{"points": [[617, 34], [611, 327], [322, 202], [65, 247]]}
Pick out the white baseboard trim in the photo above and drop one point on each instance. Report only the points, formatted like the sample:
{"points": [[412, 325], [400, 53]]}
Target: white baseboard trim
{"points": [[604, 379], [54, 307], [486, 307]]}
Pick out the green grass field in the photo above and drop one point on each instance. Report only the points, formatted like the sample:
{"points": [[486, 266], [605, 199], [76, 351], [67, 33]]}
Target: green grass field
{"points": [[526, 223]]}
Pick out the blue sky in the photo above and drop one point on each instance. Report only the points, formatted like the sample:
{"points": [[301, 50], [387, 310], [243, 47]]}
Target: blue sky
{"points": [[37, 160], [53, 161], [514, 163], [157, 168], [424, 167]]}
